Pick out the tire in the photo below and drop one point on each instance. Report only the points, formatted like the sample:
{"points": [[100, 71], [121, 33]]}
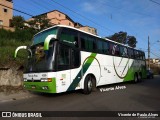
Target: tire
{"points": [[88, 84], [136, 78]]}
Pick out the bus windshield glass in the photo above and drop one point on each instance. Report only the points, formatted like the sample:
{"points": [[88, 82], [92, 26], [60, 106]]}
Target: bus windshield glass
{"points": [[40, 37], [41, 61]]}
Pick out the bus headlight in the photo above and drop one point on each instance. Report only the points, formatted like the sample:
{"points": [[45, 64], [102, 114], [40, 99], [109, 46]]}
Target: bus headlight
{"points": [[46, 79], [25, 79]]}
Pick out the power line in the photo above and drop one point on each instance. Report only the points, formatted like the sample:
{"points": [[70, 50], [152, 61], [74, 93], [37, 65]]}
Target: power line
{"points": [[155, 2], [155, 55], [38, 3], [83, 16], [17, 10], [104, 3], [120, 8]]}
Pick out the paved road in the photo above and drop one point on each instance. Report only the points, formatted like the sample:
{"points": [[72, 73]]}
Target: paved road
{"points": [[143, 96]]}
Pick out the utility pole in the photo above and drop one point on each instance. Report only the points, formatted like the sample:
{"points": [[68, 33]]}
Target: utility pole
{"points": [[148, 54]]}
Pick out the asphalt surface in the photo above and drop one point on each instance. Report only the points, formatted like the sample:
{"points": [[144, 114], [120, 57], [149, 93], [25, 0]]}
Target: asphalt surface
{"points": [[143, 96]]}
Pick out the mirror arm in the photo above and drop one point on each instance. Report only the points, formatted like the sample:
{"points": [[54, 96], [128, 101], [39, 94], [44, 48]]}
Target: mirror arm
{"points": [[22, 47], [47, 41]]}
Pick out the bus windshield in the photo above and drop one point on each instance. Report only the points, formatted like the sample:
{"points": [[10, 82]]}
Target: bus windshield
{"points": [[40, 37], [41, 61]]}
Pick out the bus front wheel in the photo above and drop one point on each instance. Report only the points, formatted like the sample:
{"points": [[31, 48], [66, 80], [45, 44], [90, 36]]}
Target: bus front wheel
{"points": [[88, 84]]}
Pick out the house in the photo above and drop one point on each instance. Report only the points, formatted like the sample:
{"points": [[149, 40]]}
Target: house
{"points": [[56, 17], [6, 14]]}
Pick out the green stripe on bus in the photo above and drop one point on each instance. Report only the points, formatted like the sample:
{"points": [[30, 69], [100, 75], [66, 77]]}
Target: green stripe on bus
{"points": [[85, 67]]}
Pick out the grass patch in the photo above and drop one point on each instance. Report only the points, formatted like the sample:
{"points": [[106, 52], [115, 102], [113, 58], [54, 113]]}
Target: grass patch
{"points": [[7, 49]]}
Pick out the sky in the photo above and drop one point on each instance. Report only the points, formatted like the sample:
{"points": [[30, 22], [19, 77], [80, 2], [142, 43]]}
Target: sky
{"points": [[139, 18]]}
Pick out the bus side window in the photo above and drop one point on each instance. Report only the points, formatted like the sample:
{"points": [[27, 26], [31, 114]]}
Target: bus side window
{"points": [[123, 51], [130, 53], [111, 49], [84, 42], [106, 47], [69, 36], [88, 43], [136, 54], [100, 47], [140, 55], [114, 49], [117, 51], [75, 58]]}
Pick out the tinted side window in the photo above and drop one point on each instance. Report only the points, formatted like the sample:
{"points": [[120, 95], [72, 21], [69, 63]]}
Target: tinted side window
{"points": [[136, 54], [100, 46], [75, 58], [111, 45], [83, 40], [114, 49], [130, 53], [123, 51], [106, 47], [69, 36], [140, 55], [88, 43], [117, 50]]}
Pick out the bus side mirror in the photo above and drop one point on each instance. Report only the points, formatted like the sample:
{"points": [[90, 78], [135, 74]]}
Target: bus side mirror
{"points": [[22, 47]]}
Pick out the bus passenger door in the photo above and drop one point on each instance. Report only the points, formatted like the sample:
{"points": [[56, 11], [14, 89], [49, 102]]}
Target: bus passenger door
{"points": [[63, 68]]}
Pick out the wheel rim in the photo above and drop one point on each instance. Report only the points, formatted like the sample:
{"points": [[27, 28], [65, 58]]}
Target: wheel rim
{"points": [[90, 84]]}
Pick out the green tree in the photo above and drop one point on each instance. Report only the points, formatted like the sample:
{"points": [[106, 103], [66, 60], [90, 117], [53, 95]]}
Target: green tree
{"points": [[122, 37], [31, 23], [40, 22], [131, 41], [119, 37], [18, 22]]}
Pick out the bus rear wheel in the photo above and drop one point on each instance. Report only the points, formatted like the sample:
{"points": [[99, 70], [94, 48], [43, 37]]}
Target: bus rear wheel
{"points": [[88, 84]]}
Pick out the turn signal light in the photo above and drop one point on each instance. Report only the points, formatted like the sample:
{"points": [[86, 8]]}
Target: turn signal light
{"points": [[49, 79]]}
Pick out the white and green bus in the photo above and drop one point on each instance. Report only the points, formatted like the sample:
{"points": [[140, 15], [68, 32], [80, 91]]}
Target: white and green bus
{"points": [[64, 58]]}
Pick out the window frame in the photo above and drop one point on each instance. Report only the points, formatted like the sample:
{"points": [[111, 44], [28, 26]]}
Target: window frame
{"points": [[5, 10], [71, 32], [70, 66], [87, 39], [124, 47]]}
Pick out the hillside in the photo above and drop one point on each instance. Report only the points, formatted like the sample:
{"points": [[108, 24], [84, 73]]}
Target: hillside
{"points": [[11, 70]]}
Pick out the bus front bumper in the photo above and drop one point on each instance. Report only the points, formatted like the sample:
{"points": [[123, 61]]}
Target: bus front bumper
{"points": [[47, 87]]}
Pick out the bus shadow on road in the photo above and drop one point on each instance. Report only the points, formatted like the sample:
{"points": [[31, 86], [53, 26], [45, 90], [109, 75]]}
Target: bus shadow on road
{"points": [[76, 92], [80, 92]]}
